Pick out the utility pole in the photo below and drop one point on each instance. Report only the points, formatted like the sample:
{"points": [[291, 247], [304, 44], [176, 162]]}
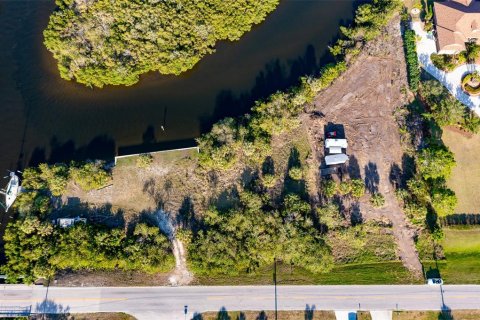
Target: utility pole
{"points": [[275, 283]]}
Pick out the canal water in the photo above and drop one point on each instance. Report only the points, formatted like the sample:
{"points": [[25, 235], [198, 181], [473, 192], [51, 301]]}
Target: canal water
{"points": [[45, 118]]}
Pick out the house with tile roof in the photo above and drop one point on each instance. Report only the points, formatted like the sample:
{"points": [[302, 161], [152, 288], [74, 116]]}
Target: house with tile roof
{"points": [[457, 22]]}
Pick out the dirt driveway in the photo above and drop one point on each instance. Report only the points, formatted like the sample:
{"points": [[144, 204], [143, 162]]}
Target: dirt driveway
{"points": [[363, 101]]}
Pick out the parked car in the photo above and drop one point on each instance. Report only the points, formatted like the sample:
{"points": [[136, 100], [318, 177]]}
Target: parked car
{"points": [[435, 281]]}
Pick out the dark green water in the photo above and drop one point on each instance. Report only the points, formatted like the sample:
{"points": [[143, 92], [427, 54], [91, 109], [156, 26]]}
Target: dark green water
{"points": [[45, 118]]}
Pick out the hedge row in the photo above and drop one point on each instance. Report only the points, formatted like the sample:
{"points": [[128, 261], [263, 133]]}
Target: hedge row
{"points": [[413, 68]]}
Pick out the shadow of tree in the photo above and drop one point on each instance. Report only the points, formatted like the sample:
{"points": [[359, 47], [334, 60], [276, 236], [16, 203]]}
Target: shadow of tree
{"points": [[227, 199], [395, 176], [353, 168], [355, 214], [104, 214], [248, 178], [101, 147], [372, 177], [276, 76], [294, 158], [197, 316], [148, 137], [446, 312], [268, 166], [309, 312], [262, 316], [186, 213], [432, 273], [223, 314], [241, 316], [50, 307]]}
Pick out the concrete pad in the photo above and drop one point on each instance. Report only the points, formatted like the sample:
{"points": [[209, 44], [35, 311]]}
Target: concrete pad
{"points": [[346, 315], [381, 315]]}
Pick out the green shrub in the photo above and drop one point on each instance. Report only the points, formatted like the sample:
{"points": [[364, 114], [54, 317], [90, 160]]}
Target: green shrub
{"points": [[415, 212], [377, 200], [357, 188], [413, 69], [144, 160], [32, 202], [90, 176], [295, 173], [52, 178], [474, 76], [330, 216], [471, 122], [446, 109], [447, 62], [269, 180], [344, 188], [435, 162], [329, 188], [56, 177], [444, 200]]}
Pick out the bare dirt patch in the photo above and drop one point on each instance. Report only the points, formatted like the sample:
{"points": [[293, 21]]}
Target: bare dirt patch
{"points": [[363, 101]]}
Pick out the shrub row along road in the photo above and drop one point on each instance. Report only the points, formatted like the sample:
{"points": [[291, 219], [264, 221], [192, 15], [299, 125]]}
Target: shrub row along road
{"points": [[168, 302]]}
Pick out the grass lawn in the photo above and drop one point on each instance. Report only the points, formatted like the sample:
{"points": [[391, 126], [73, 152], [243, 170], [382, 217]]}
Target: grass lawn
{"points": [[465, 177], [373, 273], [163, 157], [462, 252]]}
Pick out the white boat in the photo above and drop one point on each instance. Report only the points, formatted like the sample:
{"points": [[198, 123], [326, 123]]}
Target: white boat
{"points": [[12, 190]]}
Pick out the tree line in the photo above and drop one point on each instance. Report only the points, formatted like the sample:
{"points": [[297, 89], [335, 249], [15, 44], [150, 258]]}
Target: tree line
{"points": [[105, 42]]}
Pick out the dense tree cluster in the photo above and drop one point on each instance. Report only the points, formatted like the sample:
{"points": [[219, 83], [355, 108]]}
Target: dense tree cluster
{"points": [[249, 236], [370, 18], [427, 196], [45, 181], [107, 42], [36, 249], [89, 176], [445, 109]]}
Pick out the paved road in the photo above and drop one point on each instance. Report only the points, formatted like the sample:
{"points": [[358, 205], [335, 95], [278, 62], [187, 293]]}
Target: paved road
{"points": [[168, 302]]}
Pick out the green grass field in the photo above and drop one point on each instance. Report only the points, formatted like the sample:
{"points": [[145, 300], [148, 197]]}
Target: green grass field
{"points": [[465, 177], [163, 157], [462, 252], [373, 273]]}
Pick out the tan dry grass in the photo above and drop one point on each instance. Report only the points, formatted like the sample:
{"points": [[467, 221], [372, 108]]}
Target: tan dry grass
{"points": [[465, 177], [436, 315], [283, 315]]}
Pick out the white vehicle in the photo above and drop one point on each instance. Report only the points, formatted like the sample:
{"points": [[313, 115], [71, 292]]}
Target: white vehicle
{"points": [[435, 281], [12, 191]]}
